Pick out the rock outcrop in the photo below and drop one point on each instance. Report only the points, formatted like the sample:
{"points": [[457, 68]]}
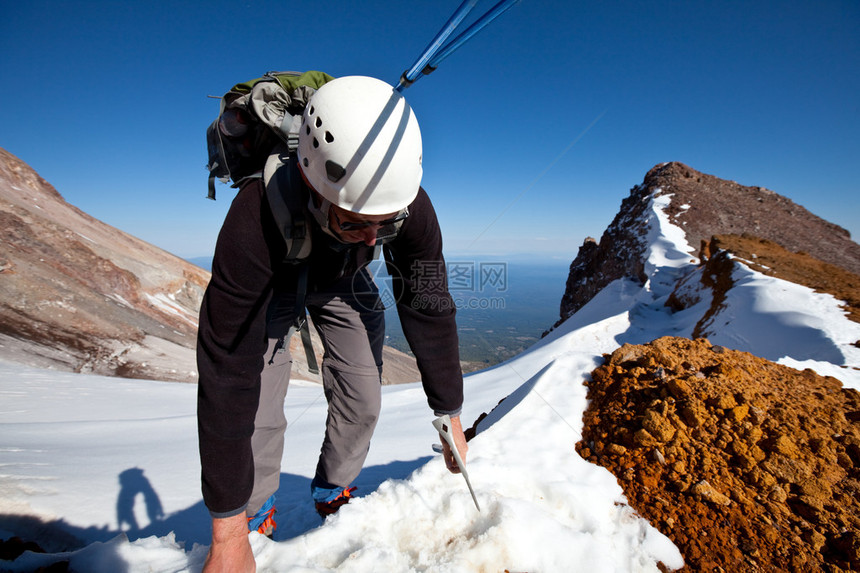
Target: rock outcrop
{"points": [[703, 206], [745, 464]]}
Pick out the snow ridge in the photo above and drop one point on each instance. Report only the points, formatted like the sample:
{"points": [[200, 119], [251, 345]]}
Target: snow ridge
{"points": [[544, 507]]}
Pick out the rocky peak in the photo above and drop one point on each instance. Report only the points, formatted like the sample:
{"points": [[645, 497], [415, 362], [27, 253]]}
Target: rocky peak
{"points": [[703, 206]]}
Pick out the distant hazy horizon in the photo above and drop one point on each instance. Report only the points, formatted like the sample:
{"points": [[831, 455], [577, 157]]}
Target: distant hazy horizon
{"points": [[498, 316]]}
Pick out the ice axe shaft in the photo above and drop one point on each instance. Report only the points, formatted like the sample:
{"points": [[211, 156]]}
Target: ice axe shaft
{"points": [[443, 426]]}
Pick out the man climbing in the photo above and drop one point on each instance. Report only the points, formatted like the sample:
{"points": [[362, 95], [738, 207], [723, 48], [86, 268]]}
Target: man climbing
{"points": [[359, 159]]}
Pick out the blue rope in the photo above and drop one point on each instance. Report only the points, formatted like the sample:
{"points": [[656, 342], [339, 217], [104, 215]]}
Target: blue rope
{"points": [[451, 46], [438, 51], [414, 72]]}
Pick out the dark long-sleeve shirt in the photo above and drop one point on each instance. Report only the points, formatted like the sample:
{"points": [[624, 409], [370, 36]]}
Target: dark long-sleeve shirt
{"points": [[247, 268]]}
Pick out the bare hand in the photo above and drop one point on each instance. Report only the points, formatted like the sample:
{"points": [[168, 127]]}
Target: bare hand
{"points": [[459, 441], [230, 550]]}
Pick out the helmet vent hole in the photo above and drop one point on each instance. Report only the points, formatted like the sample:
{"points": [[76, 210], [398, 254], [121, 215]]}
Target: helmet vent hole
{"points": [[318, 122], [329, 138], [311, 110], [316, 143], [334, 171], [307, 130], [305, 161]]}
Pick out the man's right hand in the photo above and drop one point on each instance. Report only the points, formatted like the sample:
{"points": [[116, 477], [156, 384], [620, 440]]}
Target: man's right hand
{"points": [[459, 441], [230, 550]]}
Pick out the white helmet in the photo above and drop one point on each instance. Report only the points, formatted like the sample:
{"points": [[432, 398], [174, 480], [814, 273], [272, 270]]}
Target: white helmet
{"points": [[360, 146]]}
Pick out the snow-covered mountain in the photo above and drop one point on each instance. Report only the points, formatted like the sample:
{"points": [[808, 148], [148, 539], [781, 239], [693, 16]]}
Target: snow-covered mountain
{"points": [[79, 295], [134, 505]]}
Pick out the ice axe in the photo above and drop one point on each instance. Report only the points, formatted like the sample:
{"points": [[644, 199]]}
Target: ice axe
{"points": [[443, 426]]}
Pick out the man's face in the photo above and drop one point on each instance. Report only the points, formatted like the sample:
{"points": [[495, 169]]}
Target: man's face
{"points": [[356, 228], [353, 227]]}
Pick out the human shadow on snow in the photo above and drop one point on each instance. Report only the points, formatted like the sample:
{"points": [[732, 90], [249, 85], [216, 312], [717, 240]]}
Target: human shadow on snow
{"points": [[296, 514], [134, 483]]}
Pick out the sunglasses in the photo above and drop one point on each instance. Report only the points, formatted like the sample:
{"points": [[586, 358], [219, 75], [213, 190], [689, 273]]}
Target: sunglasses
{"points": [[357, 226]]}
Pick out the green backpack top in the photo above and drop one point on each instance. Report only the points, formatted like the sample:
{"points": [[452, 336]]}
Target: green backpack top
{"points": [[256, 116]]}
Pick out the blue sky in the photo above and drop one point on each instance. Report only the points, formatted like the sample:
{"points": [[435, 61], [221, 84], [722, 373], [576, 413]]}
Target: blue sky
{"points": [[534, 131]]}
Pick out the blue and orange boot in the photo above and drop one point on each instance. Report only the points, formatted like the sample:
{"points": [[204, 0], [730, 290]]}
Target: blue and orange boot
{"points": [[328, 498], [263, 522]]}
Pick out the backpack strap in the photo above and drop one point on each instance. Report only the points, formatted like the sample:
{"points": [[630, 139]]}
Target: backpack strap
{"points": [[287, 200], [301, 323], [289, 130]]}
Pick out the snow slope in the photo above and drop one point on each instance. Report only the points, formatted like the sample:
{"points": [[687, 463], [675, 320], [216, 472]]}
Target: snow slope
{"points": [[114, 462]]}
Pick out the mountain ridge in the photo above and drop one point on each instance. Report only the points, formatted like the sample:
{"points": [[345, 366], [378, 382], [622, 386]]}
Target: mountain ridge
{"points": [[703, 206], [81, 295]]}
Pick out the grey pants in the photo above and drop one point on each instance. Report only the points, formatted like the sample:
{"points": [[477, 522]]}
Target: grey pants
{"points": [[352, 330]]}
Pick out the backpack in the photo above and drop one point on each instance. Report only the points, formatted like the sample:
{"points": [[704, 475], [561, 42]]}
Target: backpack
{"points": [[256, 116], [256, 135]]}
